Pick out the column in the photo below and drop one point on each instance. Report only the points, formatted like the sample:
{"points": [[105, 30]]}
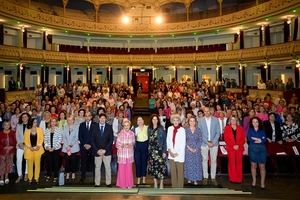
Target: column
{"points": [[220, 7], [286, 31], [297, 77], [21, 75], [69, 77], [42, 79], [65, 75], [176, 73], [296, 27], [262, 36], [24, 38], [91, 75], [241, 35], [263, 73], [96, 6], [128, 81], [46, 74], [196, 43], [267, 35], [1, 34], [65, 3], [44, 40], [219, 73], [269, 73], [20, 38], [242, 75], [187, 8], [88, 75]]}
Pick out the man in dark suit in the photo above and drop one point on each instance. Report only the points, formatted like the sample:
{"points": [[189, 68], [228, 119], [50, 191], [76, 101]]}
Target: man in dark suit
{"points": [[102, 140], [85, 139]]}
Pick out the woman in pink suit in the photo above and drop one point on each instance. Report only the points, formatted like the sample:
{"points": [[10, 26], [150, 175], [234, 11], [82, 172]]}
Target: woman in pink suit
{"points": [[125, 152], [234, 137]]}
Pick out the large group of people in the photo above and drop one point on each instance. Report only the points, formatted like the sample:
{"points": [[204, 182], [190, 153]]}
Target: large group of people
{"points": [[78, 125]]}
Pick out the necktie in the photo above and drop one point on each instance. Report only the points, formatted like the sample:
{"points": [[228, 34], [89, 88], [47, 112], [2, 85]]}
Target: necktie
{"points": [[101, 130], [87, 126]]}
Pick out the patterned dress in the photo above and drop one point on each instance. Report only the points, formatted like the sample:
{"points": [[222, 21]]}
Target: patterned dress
{"points": [[193, 161], [157, 166]]}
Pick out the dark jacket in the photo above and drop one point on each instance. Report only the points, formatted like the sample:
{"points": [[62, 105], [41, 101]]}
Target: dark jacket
{"points": [[162, 138], [84, 135], [102, 142], [269, 131]]}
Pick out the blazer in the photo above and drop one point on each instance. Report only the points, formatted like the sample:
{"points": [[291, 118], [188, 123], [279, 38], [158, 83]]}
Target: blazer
{"points": [[84, 134], [19, 134], [239, 139], [214, 131], [102, 142], [11, 139], [70, 138], [269, 131], [57, 138], [179, 147], [28, 154], [161, 138]]}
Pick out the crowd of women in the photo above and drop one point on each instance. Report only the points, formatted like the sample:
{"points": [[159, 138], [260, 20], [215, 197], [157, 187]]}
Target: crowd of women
{"points": [[70, 126]]}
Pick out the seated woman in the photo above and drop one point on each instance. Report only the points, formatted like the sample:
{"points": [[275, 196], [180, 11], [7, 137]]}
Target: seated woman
{"points": [[33, 140]]}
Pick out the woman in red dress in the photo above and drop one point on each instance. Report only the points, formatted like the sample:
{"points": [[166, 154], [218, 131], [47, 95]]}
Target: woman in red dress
{"points": [[234, 137]]}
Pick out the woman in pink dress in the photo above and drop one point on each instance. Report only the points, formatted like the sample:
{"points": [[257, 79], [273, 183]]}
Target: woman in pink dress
{"points": [[125, 144]]}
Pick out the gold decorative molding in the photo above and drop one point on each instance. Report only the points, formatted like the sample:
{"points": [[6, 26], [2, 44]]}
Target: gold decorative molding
{"points": [[279, 52], [269, 8], [12, 96]]}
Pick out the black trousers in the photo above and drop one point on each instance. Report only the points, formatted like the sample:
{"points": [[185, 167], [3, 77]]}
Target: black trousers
{"points": [[71, 163], [52, 166], [86, 161], [141, 158]]}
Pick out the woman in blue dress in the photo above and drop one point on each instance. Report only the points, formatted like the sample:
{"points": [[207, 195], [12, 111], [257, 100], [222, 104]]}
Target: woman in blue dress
{"points": [[193, 159], [257, 150]]}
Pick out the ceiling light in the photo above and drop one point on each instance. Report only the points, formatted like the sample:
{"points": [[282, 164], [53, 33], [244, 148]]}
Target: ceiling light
{"points": [[125, 20], [158, 20]]}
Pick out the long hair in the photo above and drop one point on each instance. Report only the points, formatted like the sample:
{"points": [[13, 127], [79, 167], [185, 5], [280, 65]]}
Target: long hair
{"points": [[260, 124], [158, 121], [20, 118]]}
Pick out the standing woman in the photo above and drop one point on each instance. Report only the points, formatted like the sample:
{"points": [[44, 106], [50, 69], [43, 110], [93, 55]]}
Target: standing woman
{"points": [[234, 137], [141, 150], [176, 148], [125, 150], [52, 144], [33, 140], [70, 147], [21, 127], [257, 150], [193, 159], [7, 151], [157, 151]]}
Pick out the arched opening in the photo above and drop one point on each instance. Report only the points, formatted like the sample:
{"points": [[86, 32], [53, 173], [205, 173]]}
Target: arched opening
{"points": [[174, 12], [110, 13], [84, 10]]}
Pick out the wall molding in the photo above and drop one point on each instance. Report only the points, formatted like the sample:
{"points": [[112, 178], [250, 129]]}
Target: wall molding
{"points": [[270, 8], [280, 52]]}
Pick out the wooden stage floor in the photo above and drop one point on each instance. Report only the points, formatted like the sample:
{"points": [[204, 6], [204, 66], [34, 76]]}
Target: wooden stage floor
{"points": [[280, 187]]}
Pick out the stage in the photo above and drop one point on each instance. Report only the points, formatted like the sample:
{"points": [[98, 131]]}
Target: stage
{"points": [[280, 187]]}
